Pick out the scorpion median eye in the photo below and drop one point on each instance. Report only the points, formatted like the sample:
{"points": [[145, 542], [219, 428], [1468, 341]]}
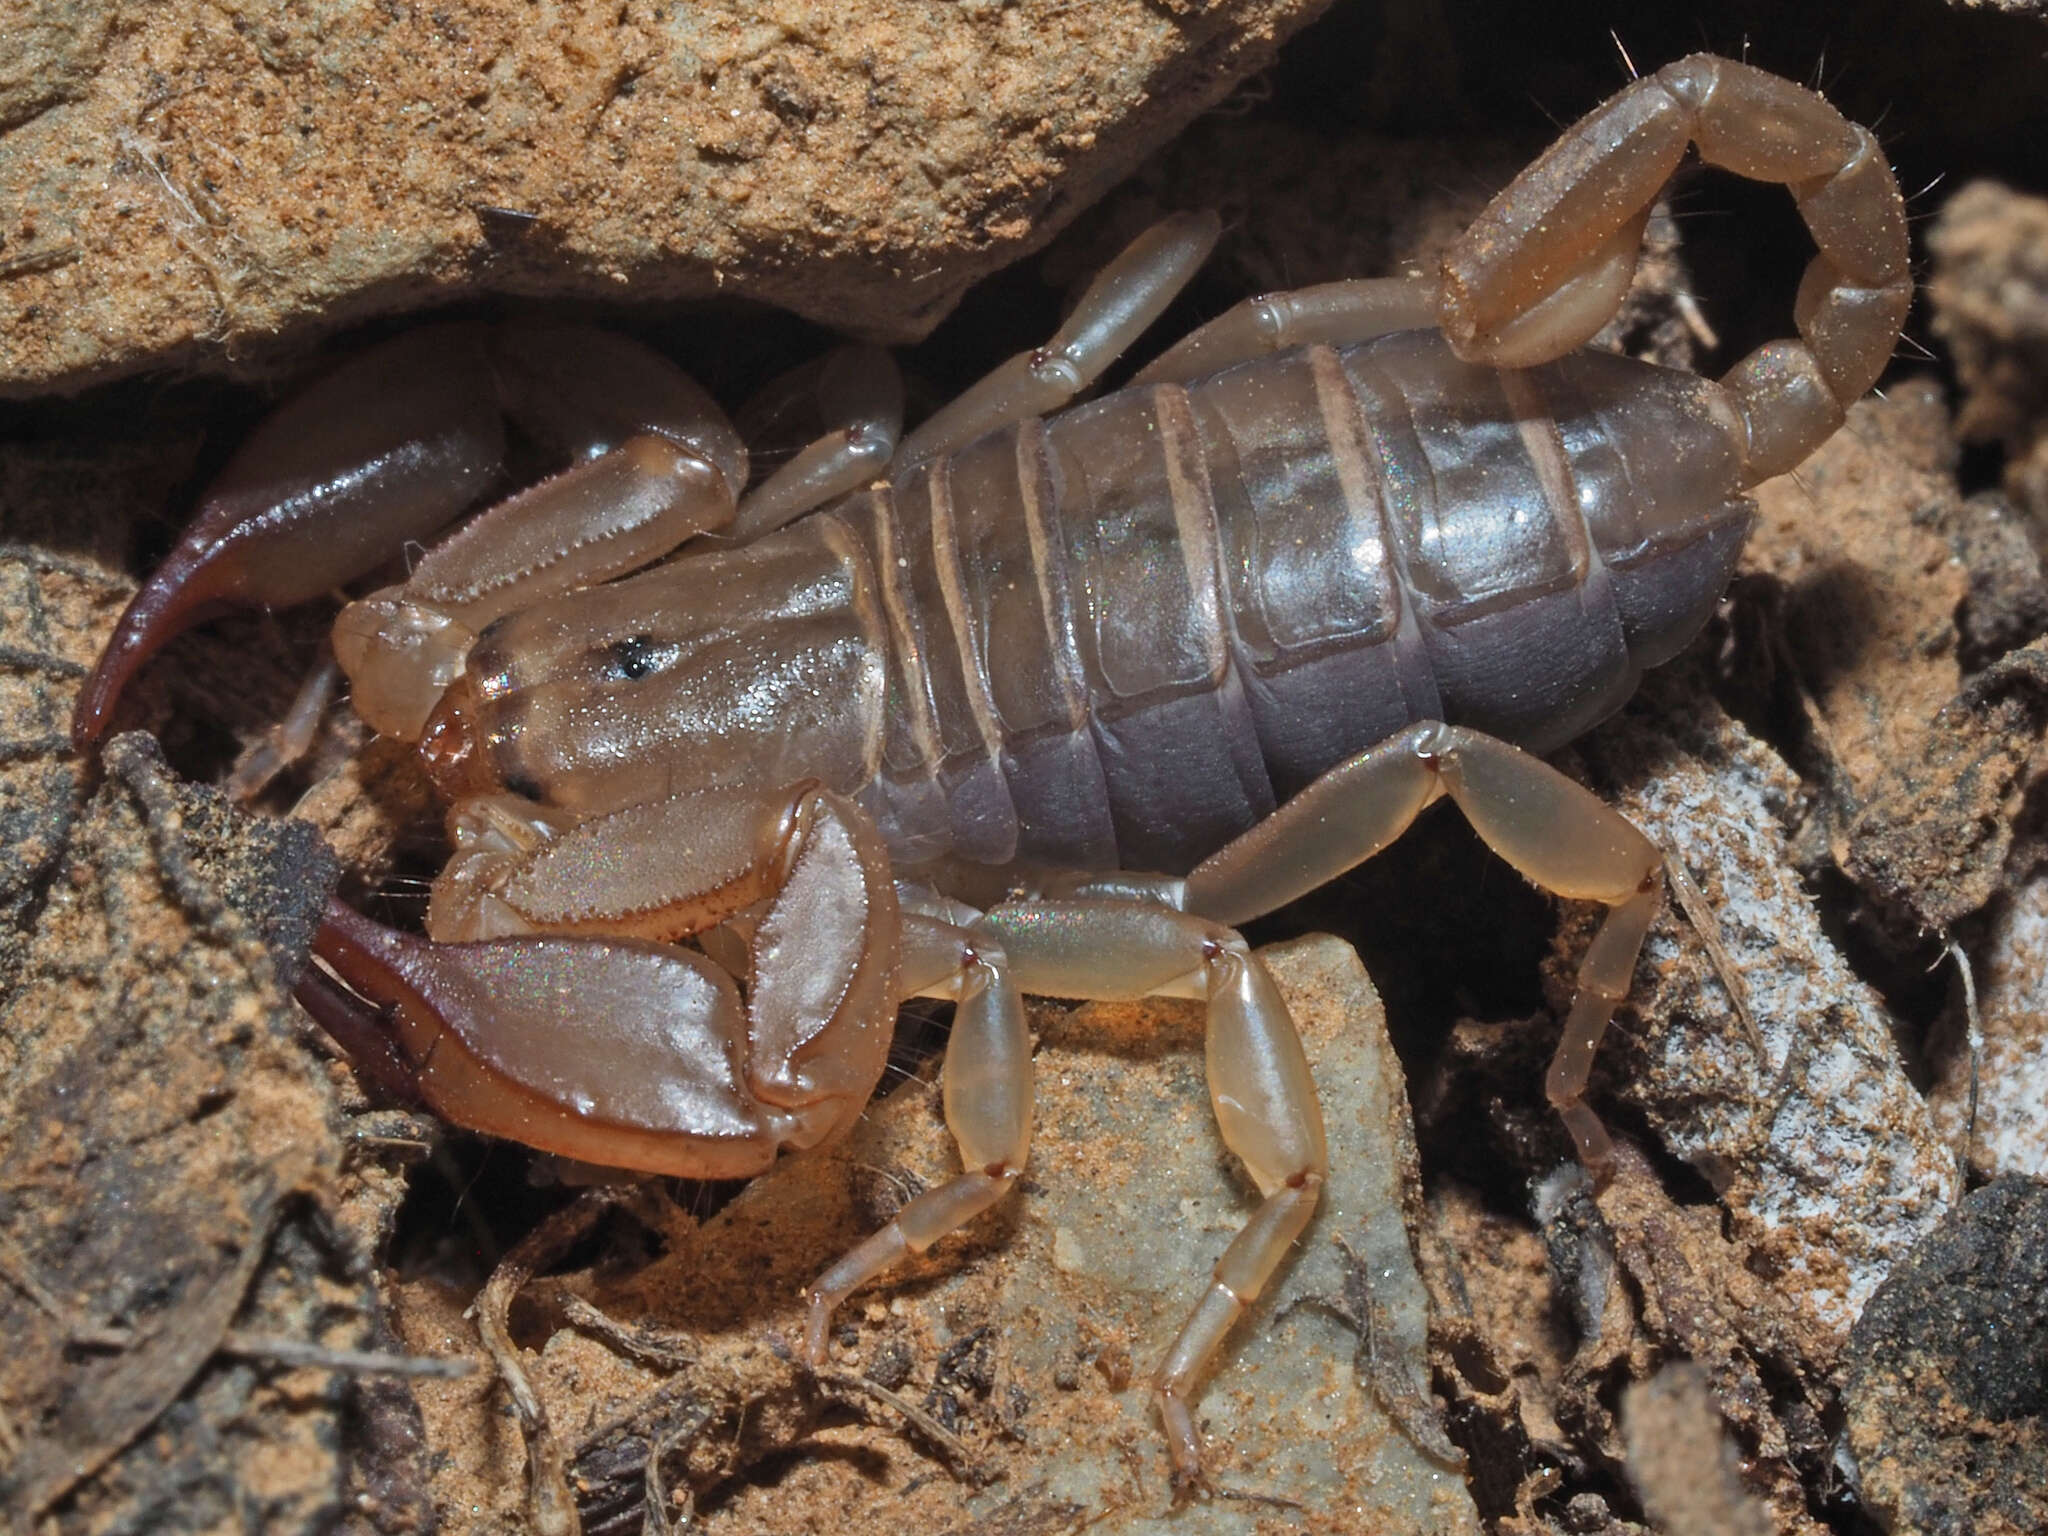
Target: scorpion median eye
{"points": [[634, 657]]}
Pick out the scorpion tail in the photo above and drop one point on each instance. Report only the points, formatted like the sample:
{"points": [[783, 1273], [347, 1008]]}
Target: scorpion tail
{"points": [[1548, 261]]}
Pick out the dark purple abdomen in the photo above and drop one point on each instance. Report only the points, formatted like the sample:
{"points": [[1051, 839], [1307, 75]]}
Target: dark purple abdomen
{"points": [[1120, 635]]}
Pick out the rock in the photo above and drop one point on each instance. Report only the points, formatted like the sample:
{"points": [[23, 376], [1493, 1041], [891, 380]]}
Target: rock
{"points": [[1947, 1392], [1823, 1152], [1989, 289], [2008, 602], [169, 1159], [227, 179]]}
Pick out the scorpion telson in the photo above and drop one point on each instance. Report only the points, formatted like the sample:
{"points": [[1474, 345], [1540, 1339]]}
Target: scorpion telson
{"points": [[1213, 624]]}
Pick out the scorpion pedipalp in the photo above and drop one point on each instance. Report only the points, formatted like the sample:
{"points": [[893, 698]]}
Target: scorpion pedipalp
{"points": [[387, 448], [636, 1054], [661, 869]]}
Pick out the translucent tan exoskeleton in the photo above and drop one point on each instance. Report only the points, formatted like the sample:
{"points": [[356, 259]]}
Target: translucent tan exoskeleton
{"points": [[1340, 553]]}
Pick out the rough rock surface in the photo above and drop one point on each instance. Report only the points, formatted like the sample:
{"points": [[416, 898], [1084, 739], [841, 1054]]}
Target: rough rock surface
{"points": [[167, 1166], [1827, 1121], [1989, 288], [1947, 1393], [1825, 1156], [190, 183]]}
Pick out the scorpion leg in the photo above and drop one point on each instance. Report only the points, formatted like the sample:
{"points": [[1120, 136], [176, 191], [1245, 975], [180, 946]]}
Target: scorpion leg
{"points": [[1555, 832], [1335, 314], [637, 1054], [292, 737], [987, 1092], [1259, 1084], [1547, 262], [1125, 298], [859, 393]]}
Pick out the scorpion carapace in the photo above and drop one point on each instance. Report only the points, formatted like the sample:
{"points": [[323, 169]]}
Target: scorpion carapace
{"points": [[1213, 625]]}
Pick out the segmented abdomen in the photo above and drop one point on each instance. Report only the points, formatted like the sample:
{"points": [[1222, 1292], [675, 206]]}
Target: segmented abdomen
{"points": [[1118, 636]]}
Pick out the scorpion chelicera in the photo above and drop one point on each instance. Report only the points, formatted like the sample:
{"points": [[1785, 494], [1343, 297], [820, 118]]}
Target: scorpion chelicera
{"points": [[894, 719]]}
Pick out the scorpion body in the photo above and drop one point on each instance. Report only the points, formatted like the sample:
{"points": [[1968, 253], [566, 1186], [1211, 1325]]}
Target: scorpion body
{"points": [[1116, 638], [1335, 556]]}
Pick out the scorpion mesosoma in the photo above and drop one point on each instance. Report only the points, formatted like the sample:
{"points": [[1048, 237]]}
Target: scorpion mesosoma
{"points": [[1318, 566]]}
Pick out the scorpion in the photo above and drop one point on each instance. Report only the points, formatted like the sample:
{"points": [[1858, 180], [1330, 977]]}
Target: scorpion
{"points": [[1039, 698]]}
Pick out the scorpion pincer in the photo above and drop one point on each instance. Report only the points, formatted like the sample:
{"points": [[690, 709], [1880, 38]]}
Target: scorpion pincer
{"points": [[1340, 553]]}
